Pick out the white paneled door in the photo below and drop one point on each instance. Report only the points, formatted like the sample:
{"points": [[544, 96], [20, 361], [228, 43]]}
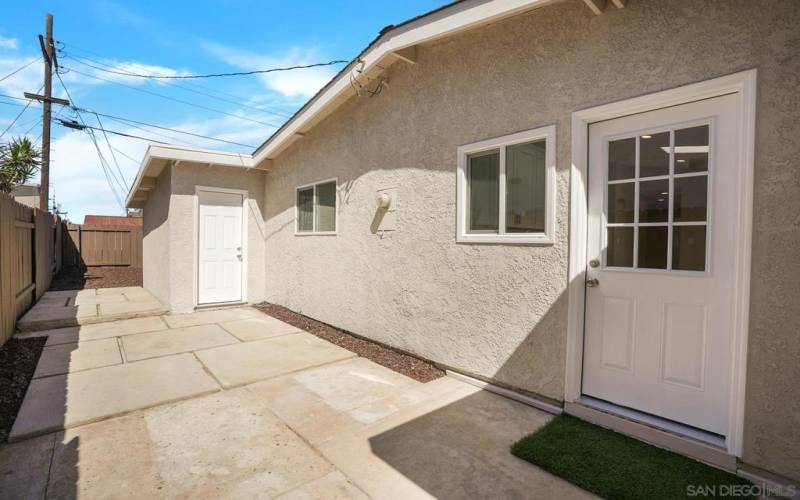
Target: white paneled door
{"points": [[663, 209], [220, 253]]}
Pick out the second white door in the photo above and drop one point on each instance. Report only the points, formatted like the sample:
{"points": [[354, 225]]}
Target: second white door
{"points": [[663, 209], [220, 253]]}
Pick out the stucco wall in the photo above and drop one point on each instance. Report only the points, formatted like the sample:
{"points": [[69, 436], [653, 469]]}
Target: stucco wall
{"points": [[170, 237], [156, 239], [185, 177], [500, 311]]}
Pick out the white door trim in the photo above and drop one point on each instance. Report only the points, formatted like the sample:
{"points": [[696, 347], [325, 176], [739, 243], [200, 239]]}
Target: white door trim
{"points": [[744, 85], [196, 235]]}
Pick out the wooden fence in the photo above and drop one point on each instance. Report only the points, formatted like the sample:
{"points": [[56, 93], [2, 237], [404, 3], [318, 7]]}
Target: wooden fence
{"points": [[103, 245], [29, 258]]}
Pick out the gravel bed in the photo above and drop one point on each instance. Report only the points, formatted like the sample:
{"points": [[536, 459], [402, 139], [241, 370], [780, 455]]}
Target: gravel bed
{"points": [[80, 278], [18, 359], [415, 368]]}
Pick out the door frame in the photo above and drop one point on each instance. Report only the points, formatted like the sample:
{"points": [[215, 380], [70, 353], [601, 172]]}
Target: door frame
{"points": [[196, 240], [743, 85]]}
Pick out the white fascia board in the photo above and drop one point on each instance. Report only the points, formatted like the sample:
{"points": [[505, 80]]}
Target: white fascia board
{"points": [[180, 153], [459, 17]]}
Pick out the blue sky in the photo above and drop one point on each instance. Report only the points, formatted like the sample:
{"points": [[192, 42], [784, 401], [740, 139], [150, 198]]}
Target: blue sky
{"points": [[171, 38]]}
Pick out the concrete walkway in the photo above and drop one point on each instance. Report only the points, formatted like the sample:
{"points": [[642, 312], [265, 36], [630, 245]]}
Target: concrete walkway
{"points": [[236, 404], [83, 307]]}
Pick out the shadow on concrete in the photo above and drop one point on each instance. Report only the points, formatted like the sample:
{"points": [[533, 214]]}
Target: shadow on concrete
{"points": [[462, 450]]}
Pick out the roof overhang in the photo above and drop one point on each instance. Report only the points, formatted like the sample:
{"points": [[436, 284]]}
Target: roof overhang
{"points": [[395, 44], [159, 156]]}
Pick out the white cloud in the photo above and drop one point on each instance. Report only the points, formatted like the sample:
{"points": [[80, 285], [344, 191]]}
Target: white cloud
{"points": [[8, 43], [27, 80], [299, 82]]}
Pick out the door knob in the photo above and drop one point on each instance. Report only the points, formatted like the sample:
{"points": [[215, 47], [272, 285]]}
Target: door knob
{"points": [[592, 283]]}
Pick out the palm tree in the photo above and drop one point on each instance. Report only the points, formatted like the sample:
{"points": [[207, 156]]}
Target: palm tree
{"points": [[19, 161]]}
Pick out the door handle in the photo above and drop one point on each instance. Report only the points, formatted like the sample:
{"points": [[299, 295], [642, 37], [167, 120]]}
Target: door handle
{"points": [[592, 283]]}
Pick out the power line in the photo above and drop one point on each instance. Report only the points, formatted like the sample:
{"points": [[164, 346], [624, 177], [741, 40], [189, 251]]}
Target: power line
{"points": [[134, 160], [173, 140], [237, 101], [111, 150], [103, 163], [80, 126], [216, 75], [170, 129], [12, 104], [19, 69], [188, 103], [20, 114], [12, 97]]}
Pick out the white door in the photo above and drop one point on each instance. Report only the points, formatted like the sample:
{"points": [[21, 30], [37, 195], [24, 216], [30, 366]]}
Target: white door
{"points": [[663, 210], [220, 243]]}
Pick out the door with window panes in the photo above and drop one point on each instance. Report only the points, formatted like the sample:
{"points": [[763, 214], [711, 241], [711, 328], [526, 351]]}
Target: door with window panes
{"points": [[660, 266]]}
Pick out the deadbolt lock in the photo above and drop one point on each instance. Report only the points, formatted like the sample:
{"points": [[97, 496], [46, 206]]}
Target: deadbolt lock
{"points": [[594, 263]]}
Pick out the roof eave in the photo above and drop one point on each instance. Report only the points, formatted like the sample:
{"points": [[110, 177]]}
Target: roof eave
{"points": [[179, 154], [446, 21]]}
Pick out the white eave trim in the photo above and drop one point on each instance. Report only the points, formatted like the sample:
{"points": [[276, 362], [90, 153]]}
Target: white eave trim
{"points": [[439, 24], [180, 153]]}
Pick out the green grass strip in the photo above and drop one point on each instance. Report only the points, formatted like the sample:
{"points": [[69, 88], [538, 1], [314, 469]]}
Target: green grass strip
{"points": [[614, 466]]}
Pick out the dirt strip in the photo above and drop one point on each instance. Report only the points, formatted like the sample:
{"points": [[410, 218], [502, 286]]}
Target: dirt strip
{"points": [[412, 367]]}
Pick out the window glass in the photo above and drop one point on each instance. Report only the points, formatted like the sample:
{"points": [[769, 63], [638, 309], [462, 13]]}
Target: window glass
{"points": [[690, 203], [622, 159], [689, 248], [621, 202], [654, 154], [652, 247], [484, 191], [620, 247], [654, 201], [525, 187], [691, 149], [326, 206], [305, 209]]}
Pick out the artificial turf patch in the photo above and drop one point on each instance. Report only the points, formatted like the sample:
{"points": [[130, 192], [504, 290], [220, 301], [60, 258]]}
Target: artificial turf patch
{"points": [[614, 466]]}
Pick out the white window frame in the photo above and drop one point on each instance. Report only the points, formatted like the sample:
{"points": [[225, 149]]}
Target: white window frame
{"points": [[547, 237], [314, 231]]}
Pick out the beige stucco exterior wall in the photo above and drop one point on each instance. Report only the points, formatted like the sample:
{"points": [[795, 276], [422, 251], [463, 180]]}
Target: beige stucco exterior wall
{"points": [[170, 265], [500, 311], [156, 239]]}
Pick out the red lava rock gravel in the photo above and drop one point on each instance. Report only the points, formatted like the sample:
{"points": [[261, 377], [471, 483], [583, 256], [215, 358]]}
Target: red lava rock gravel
{"points": [[18, 359], [419, 370], [79, 278]]}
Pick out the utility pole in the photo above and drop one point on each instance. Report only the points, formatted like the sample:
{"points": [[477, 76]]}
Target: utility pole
{"points": [[48, 54]]}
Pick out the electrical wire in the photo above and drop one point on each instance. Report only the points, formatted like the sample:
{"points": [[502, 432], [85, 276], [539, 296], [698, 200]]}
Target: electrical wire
{"points": [[20, 69], [12, 104], [20, 114], [107, 172], [261, 109], [12, 97], [188, 103], [216, 75], [134, 160], [173, 140], [111, 150], [238, 99], [128, 120]]}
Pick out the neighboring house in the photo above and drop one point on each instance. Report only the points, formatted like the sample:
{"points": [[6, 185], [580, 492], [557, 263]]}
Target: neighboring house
{"points": [[27, 194], [113, 220], [599, 211]]}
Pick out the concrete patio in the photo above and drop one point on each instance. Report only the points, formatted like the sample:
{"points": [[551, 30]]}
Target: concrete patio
{"points": [[233, 403], [83, 307]]}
